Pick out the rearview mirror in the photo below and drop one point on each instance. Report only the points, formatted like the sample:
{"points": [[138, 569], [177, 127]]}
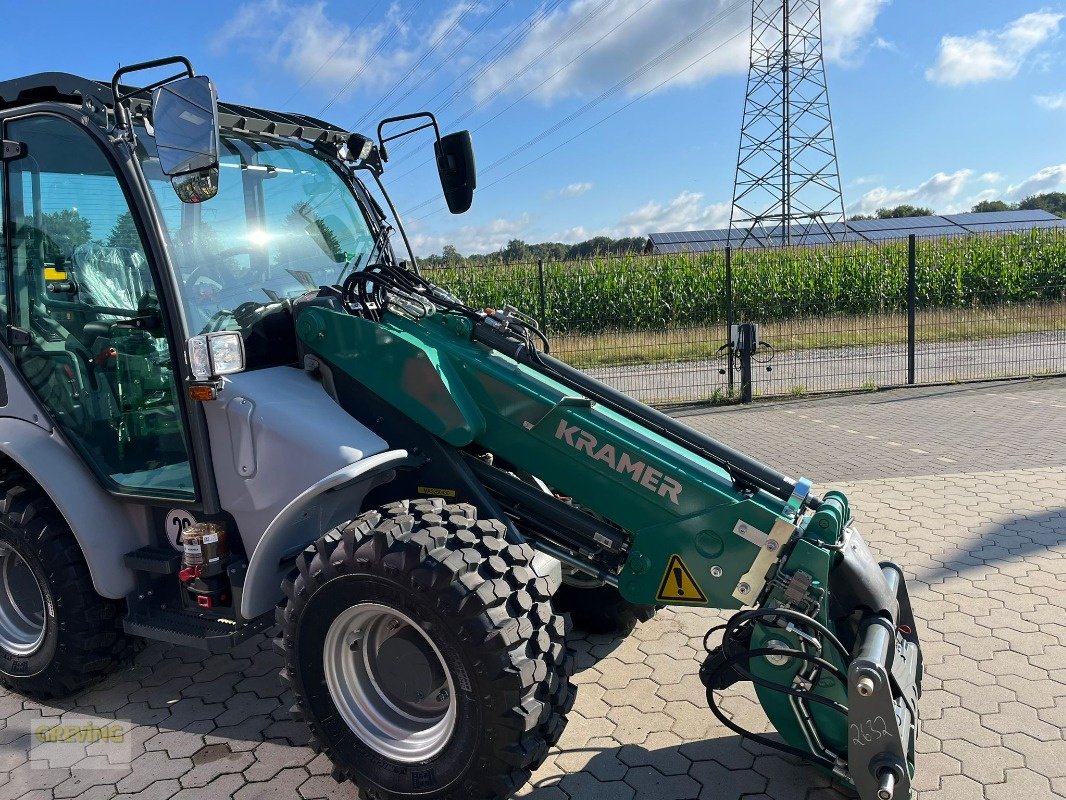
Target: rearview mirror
{"points": [[185, 118], [458, 174]]}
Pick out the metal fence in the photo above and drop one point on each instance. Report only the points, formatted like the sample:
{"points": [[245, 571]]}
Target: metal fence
{"points": [[834, 317]]}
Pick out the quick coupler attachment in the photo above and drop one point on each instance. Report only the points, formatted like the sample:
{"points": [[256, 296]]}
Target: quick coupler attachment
{"points": [[884, 684]]}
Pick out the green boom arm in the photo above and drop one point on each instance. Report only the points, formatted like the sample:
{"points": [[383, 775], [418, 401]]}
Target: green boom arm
{"points": [[696, 536]]}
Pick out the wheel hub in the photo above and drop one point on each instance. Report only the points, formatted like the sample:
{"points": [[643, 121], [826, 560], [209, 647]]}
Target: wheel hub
{"points": [[389, 682], [411, 675], [21, 604]]}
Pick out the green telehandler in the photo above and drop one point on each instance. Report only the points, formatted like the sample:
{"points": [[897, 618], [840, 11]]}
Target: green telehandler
{"points": [[227, 406]]}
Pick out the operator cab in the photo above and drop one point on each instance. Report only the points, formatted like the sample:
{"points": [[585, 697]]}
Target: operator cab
{"points": [[139, 218]]}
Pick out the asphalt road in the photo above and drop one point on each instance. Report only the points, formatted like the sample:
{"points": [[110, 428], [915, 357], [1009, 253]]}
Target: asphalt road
{"points": [[836, 369]]}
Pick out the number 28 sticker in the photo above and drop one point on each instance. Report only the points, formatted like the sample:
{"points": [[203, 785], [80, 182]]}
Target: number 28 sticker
{"points": [[178, 519]]}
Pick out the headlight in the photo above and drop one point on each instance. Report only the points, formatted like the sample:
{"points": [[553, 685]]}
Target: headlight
{"points": [[212, 355]]}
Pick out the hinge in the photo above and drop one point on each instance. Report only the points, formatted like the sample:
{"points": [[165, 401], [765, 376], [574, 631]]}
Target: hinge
{"points": [[13, 150]]}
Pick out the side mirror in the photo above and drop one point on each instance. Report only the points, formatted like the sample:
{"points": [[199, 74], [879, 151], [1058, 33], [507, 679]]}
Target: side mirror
{"points": [[185, 118], [458, 174]]}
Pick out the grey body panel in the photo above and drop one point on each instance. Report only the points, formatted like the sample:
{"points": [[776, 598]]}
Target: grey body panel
{"points": [[275, 432], [289, 464], [20, 400], [105, 528], [331, 501]]}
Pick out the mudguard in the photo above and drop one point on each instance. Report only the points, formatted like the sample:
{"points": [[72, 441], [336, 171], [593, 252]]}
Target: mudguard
{"points": [[329, 502]]}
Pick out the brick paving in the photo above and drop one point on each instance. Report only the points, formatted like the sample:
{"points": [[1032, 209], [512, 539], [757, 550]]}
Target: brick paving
{"points": [[965, 486]]}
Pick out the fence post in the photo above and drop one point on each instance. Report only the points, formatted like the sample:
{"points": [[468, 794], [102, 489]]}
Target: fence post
{"points": [[542, 319], [912, 305], [729, 316]]}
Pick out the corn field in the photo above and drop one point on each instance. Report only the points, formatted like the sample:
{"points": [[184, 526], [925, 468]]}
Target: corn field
{"points": [[652, 293]]}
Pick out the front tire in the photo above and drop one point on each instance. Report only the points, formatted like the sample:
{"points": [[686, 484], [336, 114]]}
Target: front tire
{"points": [[424, 653], [57, 635]]}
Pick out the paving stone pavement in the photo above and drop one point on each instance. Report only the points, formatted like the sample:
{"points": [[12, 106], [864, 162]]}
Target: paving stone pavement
{"points": [[978, 520]]}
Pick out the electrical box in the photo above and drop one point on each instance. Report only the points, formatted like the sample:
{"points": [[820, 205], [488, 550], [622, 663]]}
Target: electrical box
{"points": [[735, 334]]}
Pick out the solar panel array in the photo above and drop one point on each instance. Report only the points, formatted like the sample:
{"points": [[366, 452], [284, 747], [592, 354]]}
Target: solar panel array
{"points": [[866, 230]]}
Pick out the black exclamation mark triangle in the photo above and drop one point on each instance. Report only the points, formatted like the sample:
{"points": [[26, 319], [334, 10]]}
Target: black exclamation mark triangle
{"points": [[678, 584]]}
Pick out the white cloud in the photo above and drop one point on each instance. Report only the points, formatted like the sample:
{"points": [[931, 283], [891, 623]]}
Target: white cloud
{"points": [[1045, 180], [1052, 102], [579, 50], [955, 192], [305, 41], [992, 55], [575, 189], [686, 212], [486, 238], [940, 189]]}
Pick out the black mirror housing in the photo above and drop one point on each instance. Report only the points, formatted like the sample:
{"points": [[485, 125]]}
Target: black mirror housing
{"points": [[458, 173], [185, 119]]}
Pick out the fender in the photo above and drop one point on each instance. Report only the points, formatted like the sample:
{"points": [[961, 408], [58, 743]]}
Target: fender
{"points": [[324, 505], [105, 529]]}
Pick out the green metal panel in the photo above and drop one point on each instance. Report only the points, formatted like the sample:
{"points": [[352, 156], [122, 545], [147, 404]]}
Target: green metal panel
{"points": [[410, 373], [674, 502]]}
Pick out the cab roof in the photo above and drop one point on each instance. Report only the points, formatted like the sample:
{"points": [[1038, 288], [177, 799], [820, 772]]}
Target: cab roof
{"points": [[95, 97]]}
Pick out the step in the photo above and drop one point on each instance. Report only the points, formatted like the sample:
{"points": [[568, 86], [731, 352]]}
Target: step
{"points": [[157, 560], [190, 629]]}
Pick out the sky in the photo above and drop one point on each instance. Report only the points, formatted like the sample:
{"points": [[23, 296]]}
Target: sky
{"points": [[609, 117]]}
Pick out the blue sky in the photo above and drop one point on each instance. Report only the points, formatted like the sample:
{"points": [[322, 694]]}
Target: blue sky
{"points": [[616, 117]]}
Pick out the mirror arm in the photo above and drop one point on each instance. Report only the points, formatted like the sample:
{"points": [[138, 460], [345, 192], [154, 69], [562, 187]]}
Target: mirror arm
{"points": [[403, 118], [399, 222], [121, 115]]}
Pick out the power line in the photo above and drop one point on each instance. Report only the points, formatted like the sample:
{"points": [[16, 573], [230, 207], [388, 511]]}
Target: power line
{"points": [[330, 57], [455, 51], [570, 118], [385, 40], [596, 124], [530, 91], [504, 46], [511, 43], [530, 64], [418, 64]]}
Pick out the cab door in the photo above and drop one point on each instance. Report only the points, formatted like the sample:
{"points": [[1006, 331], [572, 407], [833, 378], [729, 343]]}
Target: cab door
{"points": [[89, 334]]}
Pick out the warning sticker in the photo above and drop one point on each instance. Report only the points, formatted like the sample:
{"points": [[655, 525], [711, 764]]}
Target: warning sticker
{"points": [[678, 585]]}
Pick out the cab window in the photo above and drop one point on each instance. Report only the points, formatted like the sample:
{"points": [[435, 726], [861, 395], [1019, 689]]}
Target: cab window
{"points": [[98, 355]]}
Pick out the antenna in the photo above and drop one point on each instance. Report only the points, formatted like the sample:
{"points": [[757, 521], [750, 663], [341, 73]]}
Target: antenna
{"points": [[787, 182]]}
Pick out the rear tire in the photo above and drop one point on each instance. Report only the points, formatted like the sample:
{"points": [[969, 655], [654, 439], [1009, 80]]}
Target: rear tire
{"points": [[57, 635], [467, 607], [600, 609]]}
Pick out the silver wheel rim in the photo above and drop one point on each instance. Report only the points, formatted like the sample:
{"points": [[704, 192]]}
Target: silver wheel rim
{"points": [[389, 682], [21, 604]]}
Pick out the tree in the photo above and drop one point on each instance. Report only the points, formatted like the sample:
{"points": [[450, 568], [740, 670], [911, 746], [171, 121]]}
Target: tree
{"points": [[124, 233], [64, 230], [991, 205], [516, 250], [451, 256], [904, 211], [1055, 202]]}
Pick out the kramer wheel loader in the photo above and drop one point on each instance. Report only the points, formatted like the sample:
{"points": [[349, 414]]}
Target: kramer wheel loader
{"points": [[228, 404]]}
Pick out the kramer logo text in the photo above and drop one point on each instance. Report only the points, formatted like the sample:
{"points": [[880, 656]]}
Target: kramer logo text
{"points": [[650, 478]]}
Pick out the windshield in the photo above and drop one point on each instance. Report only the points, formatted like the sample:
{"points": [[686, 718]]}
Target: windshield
{"points": [[283, 222]]}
